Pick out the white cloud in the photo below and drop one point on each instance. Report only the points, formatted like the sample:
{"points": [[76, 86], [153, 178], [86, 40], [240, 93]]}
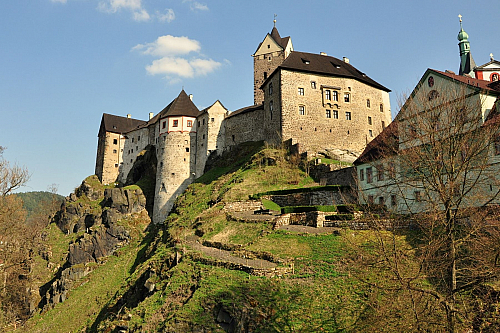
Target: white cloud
{"points": [[173, 62], [169, 16], [198, 6], [195, 5], [60, 1], [169, 45], [135, 6]]}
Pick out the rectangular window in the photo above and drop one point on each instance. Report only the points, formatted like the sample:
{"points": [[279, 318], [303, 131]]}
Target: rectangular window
{"points": [[164, 124], [301, 91], [347, 97], [265, 75], [381, 107], [176, 123], [328, 113], [369, 175], [371, 133], [380, 173], [313, 84], [370, 199], [381, 201], [393, 200], [328, 95], [212, 120], [270, 88], [369, 120], [114, 151], [132, 140], [361, 175], [335, 96], [115, 141], [383, 124], [139, 138], [189, 123], [347, 115], [187, 150], [335, 114], [302, 110]]}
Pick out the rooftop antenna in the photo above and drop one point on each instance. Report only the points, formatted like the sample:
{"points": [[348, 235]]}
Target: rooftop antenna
{"points": [[274, 21]]}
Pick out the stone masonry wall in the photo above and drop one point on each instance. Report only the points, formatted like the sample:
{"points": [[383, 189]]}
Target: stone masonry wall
{"points": [[318, 198], [244, 127], [175, 170], [315, 130], [134, 143], [266, 63], [209, 135], [109, 157]]}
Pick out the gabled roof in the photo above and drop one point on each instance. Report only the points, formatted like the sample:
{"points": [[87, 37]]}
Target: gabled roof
{"points": [[386, 144], [283, 42], [182, 105], [495, 62], [322, 64], [208, 107], [118, 124], [476, 83], [246, 109]]}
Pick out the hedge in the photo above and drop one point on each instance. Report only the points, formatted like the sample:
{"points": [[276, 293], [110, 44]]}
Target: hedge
{"points": [[303, 209], [340, 217], [257, 196]]}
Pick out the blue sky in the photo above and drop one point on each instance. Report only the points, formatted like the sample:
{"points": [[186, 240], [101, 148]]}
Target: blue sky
{"points": [[65, 62]]}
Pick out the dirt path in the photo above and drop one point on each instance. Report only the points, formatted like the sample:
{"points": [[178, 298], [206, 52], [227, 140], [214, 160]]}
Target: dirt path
{"points": [[227, 256]]}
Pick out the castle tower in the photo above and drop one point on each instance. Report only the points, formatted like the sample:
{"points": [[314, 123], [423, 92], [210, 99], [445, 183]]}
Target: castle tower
{"points": [[467, 64], [269, 55], [176, 153]]}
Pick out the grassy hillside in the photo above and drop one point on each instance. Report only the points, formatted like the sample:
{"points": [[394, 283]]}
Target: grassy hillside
{"points": [[32, 200], [199, 271]]}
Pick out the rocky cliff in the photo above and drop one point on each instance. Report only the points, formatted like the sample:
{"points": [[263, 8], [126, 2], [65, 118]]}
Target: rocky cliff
{"points": [[96, 214]]}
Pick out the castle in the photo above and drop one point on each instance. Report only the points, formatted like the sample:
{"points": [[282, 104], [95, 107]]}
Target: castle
{"points": [[310, 101]]}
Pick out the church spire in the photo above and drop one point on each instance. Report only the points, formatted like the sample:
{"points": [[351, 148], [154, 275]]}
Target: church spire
{"points": [[467, 64]]}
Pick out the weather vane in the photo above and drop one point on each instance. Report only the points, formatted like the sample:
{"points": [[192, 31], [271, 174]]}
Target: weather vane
{"points": [[460, 17], [274, 21], [491, 56]]}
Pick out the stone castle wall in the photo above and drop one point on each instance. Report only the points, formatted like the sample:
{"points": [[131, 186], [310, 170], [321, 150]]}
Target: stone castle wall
{"points": [[109, 157], [314, 130], [210, 135], [134, 144], [265, 63], [175, 170], [244, 127]]}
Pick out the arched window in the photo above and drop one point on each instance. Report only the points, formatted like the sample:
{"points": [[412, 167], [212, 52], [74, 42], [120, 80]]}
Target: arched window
{"points": [[494, 77]]}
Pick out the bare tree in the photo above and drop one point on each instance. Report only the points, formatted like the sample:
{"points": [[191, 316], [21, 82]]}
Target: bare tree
{"points": [[447, 185]]}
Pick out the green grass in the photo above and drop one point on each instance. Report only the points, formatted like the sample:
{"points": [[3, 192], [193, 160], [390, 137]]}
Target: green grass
{"points": [[268, 204]]}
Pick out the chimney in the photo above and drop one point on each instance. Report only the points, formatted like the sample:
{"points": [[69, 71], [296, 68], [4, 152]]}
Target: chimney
{"points": [[129, 116], [346, 60], [151, 115], [323, 53], [191, 96]]}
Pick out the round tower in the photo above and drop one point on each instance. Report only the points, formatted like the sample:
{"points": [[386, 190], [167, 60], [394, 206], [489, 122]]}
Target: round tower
{"points": [[176, 153]]}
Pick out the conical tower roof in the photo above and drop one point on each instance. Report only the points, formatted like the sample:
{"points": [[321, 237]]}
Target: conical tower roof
{"points": [[181, 106]]}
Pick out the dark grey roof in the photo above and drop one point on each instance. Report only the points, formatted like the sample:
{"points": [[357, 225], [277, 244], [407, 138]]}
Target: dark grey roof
{"points": [[246, 109], [277, 38], [322, 64], [468, 67], [181, 106], [118, 124]]}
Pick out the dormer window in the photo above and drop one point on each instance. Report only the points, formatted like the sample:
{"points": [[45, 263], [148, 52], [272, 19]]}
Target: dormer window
{"points": [[305, 61]]}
